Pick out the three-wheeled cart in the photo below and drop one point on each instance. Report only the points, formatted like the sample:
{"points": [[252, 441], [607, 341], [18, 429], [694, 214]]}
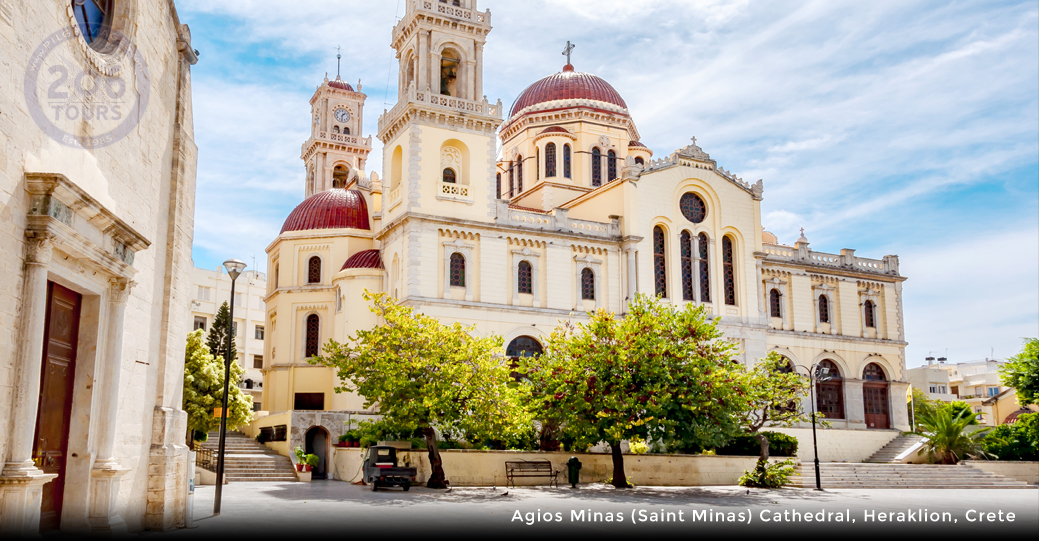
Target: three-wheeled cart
{"points": [[381, 470]]}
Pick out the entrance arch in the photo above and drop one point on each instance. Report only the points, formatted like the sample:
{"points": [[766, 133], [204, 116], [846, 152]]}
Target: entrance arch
{"points": [[830, 393], [317, 444], [522, 346], [875, 397]]}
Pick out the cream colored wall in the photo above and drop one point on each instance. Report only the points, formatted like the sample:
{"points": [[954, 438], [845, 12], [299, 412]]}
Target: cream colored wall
{"points": [[487, 468], [1022, 471], [839, 445]]}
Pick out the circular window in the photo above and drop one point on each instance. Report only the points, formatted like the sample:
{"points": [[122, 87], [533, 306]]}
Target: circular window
{"points": [[693, 208], [93, 17]]}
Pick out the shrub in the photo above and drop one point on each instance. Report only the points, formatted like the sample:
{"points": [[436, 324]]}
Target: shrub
{"points": [[946, 439], [779, 444], [638, 447], [311, 460], [1018, 441], [768, 475]]}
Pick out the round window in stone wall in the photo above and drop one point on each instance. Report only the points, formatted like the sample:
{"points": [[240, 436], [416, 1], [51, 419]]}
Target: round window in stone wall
{"points": [[93, 17], [693, 208]]}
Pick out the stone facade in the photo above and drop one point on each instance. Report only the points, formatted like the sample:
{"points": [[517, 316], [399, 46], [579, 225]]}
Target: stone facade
{"points": [[573, 215], [111, 223]]}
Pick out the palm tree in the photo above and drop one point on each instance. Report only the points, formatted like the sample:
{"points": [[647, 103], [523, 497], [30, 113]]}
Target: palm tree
{"points": [[946, 439]]}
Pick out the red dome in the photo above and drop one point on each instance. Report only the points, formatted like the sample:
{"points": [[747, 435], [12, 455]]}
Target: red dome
{"points": [[568, 85], [341, 84], [334, 209], [368, 259]]}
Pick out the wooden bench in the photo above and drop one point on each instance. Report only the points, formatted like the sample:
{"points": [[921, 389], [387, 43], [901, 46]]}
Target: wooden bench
{"points": [[530, 468]]}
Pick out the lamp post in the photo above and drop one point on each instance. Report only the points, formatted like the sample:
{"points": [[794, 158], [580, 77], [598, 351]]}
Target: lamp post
{"points": [[234, 270], [816, 374]]}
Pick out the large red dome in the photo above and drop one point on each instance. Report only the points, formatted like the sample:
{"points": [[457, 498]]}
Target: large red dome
{"points": [[568, 85], [334, 209]]}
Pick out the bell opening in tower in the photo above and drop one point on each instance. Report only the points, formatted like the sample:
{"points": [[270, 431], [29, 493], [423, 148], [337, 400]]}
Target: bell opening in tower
{"points": [[449, 73], [340, 177]]}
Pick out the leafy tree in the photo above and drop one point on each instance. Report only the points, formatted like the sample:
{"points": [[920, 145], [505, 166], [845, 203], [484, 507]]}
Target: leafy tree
{"points": [[772, 393], [923, 406], [958, 407], [946, 437], [204, 390], [217, 339], [432, 377], [660, 373], [1022, 373], [1017, 441]]}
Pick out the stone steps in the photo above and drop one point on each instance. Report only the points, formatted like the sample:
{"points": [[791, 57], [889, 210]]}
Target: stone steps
{"points": [[894, 449], [246, 460], [902, 476]]}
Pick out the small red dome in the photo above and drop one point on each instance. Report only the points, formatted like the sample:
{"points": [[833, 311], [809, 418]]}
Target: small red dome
{"points": [[554, 129], [568, 85], [341, 84], [334, 209], [636, 144], [368, 259]]}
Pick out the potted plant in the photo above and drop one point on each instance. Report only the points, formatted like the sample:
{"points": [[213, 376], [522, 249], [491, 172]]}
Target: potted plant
{"points": [[300, 458], [310, 461]]}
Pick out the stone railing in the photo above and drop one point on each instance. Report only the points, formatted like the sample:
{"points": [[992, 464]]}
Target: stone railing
{"points": [[394, 196], [346, 139], [555, 220], [450, 190], [443, 8], [846, 260], [482, 107]]}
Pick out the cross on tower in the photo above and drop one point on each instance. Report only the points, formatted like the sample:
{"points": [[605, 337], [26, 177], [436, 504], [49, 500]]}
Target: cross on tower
{"points": [[569, 49], [339, 60]]}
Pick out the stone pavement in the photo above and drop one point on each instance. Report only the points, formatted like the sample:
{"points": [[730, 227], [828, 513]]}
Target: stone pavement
{"points": [[260, 510]]}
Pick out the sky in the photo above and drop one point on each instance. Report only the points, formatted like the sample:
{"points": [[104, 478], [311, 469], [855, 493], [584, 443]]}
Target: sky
{"points": [[890, 127]]}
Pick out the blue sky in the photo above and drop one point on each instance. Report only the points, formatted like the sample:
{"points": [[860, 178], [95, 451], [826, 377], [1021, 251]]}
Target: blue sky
{"points": [[901, 127]]}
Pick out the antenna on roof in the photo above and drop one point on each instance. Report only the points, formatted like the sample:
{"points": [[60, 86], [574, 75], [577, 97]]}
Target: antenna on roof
{"points": [[339, 60]]}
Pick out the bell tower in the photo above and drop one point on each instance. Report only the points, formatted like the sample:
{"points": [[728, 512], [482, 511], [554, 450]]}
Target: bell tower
{"points": [[440, 137], [336, 152]]}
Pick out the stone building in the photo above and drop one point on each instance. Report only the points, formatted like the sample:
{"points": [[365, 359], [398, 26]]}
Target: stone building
{"points": [[97, 184], [210, 289], [574, 213]]}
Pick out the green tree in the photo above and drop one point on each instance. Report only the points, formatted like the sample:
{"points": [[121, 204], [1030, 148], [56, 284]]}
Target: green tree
{"points": [[923, 406], [947, 439], [431, 377], [958, 407], [772, 392], [204, 390], [1022, 373], [1016, 441], [661, 373], [217, 339]]}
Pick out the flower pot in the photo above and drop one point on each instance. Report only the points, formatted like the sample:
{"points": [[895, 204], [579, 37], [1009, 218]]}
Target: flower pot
{"points": [[299, 467], [355, 444], [343, 444], [307, 468]]}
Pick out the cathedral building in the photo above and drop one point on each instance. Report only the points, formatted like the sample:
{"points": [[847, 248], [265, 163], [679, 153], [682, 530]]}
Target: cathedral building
{"points": [[573, 214]]}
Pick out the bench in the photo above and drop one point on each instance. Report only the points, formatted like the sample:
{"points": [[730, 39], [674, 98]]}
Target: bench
{"points": [[530, 468]]}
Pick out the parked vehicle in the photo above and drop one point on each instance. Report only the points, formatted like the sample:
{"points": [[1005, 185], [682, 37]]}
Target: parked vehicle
{"points": [[381, 470]]}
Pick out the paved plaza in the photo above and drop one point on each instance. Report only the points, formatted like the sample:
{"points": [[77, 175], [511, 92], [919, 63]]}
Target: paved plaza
{"points": [[333, 507]]}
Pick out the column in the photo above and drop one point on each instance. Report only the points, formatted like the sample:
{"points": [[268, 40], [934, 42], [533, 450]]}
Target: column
{"points": [[106, 473], [21, 482], [854, 410], [478, 74], [423, 62], [434, 74]]}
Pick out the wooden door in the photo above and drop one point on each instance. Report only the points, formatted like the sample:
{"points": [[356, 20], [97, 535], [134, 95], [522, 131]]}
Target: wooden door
{"points": [[874, 397], [57, 378]]}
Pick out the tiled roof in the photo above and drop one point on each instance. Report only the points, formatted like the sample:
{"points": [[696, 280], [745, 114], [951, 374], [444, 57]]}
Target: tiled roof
{"points": [[368, 259], [341, 84], [333, 209]]}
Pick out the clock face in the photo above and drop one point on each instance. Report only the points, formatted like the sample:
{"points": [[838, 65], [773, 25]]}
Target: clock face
{"points": [[342, 115]]}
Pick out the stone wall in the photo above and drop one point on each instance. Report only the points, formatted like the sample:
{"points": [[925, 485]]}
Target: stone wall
{"points": [[839, 445], [1022, 471]]}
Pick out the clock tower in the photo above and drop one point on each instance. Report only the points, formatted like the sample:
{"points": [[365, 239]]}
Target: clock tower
{"points": [[336, 152]]}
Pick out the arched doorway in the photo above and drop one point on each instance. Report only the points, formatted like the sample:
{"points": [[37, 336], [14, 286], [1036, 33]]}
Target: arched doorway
{"points": [[875, 397], [829, 394], [317, 444], [523, 346]]}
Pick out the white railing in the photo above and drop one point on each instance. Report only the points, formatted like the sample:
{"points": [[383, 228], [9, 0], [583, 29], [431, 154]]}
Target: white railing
{"points": [[346, 139], [846, 260], [781, 251], [395, 195], [483, 107], [455, 191], [443, 8]]}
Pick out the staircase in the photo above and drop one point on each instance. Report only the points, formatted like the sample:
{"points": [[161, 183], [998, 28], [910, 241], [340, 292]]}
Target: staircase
{"points": [[897, 446], [887, 476], [247, 460]]}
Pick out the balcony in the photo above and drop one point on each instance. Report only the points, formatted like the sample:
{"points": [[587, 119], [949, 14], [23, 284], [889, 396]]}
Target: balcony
{"points": [[364, 142], [454, 192]]}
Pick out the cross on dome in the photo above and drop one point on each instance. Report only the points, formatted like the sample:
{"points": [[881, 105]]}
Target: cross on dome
{"points": [[566, 52]]}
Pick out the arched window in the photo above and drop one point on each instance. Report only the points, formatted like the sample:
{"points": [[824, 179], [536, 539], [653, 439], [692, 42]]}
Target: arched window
{"points": [[705, 268], [874, 372], [449, 175], [830, 393], [335, 129], [314, 270], [524, 346], [340, 176], [693, 208], [596, 167], [775, 307], [313, 331], [457, 270], [659, 262], [824, 309], [497, 187], [94, 17], [588, 285], [640, 161], [686, 240], [550, 160], [346, 131], [519, 174], [512, 181], [449, 64], [611, 166], [566, 161], [869, 313], [729, 270], [525, 282], [537, 164]]}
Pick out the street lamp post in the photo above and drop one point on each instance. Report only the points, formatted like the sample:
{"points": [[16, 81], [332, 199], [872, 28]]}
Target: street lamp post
{"points": [[234, 270], [816, 374]]}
